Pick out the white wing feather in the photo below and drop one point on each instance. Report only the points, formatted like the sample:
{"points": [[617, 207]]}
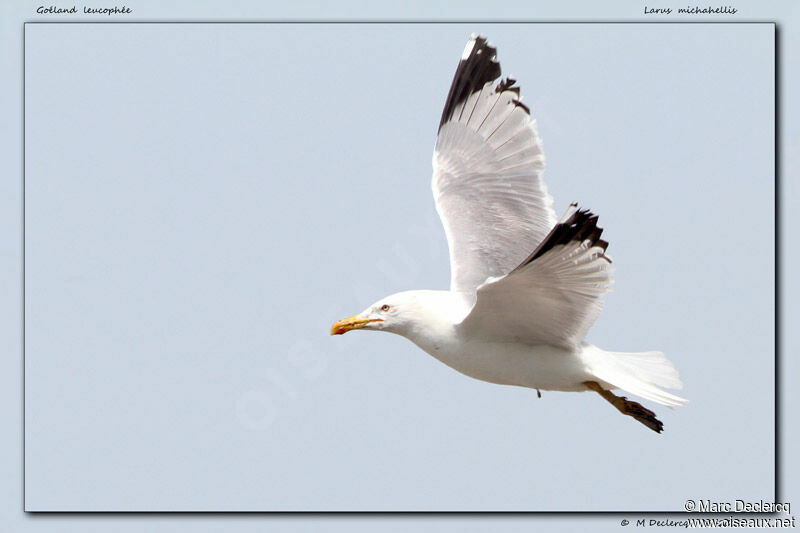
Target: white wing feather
{"points": [[554, 296], [487, 174]]}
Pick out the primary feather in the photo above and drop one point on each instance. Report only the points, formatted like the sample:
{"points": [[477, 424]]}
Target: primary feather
{"points": [[487, 173]]}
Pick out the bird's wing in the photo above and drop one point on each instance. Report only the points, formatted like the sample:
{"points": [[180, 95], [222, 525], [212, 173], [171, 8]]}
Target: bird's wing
{"points": [[553, 296], [487, 173]]}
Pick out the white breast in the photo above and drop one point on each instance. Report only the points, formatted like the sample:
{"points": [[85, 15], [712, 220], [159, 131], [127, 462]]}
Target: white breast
{"points": [[538, 367]]}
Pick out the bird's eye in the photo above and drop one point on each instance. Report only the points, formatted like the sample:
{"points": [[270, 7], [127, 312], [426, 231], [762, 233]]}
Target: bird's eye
{"points": [[384, 307]]}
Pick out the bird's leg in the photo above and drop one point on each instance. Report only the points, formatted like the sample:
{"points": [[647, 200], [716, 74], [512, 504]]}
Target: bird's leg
{"points": [[538, 393], [628, 407]]}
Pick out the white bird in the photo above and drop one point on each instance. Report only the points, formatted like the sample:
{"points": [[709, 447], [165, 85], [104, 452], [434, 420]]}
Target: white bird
{"points": [[524, 288]]}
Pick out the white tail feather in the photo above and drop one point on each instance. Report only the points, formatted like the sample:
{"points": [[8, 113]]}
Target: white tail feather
{"points": [[637, 373]]}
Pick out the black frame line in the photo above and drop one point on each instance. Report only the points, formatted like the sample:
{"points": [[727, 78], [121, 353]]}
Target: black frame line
{"points": [[778, 345]]}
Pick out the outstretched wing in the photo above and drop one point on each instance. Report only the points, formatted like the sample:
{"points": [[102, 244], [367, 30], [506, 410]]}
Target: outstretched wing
{"points": [[553, 296], [487, 173]]}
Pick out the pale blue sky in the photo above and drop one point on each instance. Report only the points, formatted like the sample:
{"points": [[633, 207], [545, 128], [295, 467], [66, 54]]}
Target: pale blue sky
{"points": [[237, 385], [204, 200]]}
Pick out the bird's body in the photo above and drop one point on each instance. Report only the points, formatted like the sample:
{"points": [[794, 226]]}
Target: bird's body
{"points": [[437, 332], [525, 287], [541, 366]]}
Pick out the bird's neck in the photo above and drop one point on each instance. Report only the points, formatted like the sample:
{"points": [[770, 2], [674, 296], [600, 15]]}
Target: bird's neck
{"points": [[438, 316]]}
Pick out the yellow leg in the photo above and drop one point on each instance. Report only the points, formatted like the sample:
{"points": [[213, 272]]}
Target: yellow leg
{"points": [[628, 407]]}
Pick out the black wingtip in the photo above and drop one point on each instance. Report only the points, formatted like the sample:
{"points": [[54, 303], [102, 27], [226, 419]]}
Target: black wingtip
{"points": [[581, 225], [520, 104], [478, 66]]}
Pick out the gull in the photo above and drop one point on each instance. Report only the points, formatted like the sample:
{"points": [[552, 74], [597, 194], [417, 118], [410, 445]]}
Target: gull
{"points": [[524, 287]]}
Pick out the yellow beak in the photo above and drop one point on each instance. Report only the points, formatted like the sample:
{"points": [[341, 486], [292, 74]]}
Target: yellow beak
{"points": [[344, 325]]}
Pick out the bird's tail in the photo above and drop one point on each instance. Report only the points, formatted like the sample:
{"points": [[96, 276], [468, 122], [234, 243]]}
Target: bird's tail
{"points": [[642, 374]]}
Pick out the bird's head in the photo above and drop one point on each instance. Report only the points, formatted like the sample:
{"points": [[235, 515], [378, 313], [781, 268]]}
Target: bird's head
{"points": [[387, 314], [400, 313]]}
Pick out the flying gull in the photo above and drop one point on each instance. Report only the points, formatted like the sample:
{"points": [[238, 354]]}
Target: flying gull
{"points": [[524, 287]]}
